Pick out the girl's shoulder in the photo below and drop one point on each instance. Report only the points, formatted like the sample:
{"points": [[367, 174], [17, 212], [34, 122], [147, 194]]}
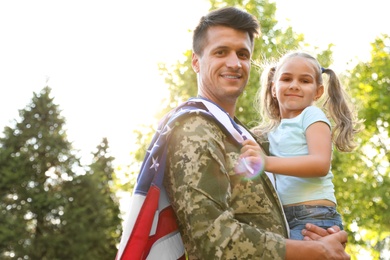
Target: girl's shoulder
{"points": [[313, 114], [313, 110]]}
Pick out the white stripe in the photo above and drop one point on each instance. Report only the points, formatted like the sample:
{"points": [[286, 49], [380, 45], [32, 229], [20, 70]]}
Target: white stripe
{"points": [[163, 202], [167, 248], [222, 117]]}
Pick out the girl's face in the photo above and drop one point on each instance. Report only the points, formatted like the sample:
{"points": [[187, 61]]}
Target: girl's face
{"points": [[295, 86]]}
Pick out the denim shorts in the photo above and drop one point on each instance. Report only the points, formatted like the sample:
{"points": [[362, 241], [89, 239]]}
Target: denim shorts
{"points": [[322, 216]]}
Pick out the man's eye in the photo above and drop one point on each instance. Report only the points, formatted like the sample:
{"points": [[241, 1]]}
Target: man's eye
{"points": [[243, 55]]}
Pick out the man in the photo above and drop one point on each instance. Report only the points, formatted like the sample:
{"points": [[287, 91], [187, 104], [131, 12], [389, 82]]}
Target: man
{"points": [[222, 214]]}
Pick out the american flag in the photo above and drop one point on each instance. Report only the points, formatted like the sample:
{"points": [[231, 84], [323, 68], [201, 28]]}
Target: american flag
{"points": [[151, 231]]}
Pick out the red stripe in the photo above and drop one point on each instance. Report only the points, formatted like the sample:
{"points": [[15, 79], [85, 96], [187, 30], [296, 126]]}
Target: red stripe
{"points": [[166, 225], [135, 248]]}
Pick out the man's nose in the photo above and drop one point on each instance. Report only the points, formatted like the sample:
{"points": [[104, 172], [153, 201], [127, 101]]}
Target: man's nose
{"points": [[233, 62]]}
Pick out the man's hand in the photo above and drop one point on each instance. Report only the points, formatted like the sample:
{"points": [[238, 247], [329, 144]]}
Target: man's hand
{"points": [[313, 232], [335, 245], [321, 244]]}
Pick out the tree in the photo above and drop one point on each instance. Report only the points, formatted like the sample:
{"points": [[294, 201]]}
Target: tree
{"points": [[35, 160], [52, 208], [365, 202], [91, 217]]}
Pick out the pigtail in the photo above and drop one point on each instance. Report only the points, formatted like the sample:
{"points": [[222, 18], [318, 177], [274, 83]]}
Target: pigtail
{"points": [[272, 105], [266, 104], [339, 109]]}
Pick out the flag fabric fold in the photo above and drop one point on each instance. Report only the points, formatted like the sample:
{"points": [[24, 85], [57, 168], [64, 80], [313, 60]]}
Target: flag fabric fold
{"points": [[151, 231]]}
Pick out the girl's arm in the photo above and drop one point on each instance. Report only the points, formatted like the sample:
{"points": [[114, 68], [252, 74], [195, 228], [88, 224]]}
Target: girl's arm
{"points": [[315, 164]]}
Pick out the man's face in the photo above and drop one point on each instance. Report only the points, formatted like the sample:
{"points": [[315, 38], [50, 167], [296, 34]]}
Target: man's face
{"points": [[223, 68]]}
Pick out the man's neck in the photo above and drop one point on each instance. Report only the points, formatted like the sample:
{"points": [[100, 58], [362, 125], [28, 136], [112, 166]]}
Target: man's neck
{"points": [[228, 108]]}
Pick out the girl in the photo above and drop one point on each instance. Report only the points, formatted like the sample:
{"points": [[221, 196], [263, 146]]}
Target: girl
{"points": [[300, 137]]}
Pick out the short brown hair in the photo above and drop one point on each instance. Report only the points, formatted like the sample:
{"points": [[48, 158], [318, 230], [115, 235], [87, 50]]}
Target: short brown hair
{"points": [[227, 16]]}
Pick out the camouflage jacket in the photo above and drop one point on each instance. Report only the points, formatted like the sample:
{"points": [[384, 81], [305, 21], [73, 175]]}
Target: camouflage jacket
{"points": [[221, 215]]}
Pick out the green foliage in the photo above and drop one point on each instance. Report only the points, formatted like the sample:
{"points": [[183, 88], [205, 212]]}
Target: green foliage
{"points": [[362, 178], [91, 215], [370, 81], [48, 211], [35, 159]]}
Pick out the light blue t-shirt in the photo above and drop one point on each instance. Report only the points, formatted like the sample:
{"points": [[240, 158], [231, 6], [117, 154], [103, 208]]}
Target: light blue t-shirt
{"points": [[289, 140]]}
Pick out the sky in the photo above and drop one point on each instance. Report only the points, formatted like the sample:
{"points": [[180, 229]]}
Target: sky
{"points": [[100, 57]]}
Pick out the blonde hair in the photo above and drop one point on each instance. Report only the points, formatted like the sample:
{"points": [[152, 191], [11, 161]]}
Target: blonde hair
{"points": [[337, 105]]}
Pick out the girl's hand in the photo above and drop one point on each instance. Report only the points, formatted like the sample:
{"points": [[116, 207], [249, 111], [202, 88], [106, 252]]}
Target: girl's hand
{"points": [[252, 159]]}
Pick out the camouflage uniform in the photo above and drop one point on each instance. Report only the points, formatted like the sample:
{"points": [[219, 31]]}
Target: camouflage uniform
{"points": [[220, 214]]}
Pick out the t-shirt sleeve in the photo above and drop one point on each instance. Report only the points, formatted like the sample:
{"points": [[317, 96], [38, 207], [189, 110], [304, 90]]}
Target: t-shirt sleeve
{"points": [[312, 115]]}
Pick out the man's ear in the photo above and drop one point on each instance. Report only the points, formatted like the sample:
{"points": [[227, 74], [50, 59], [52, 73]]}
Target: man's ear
{"points": [[320, 91], [195, 62]]}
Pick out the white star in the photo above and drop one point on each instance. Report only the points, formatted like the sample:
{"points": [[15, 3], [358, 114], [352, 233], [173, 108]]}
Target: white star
{"points": [[155, 164]]}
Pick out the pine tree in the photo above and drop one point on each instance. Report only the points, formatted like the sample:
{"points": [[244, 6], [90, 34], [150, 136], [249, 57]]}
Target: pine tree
{"points": [[35, 160], [91, 219]]}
